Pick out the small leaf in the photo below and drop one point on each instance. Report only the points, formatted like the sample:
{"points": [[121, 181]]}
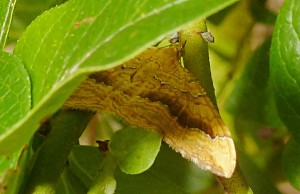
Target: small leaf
{"points": [[284, 69], [291, 163], [135, 148]]}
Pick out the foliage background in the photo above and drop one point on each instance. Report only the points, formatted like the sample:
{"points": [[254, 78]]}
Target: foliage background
{"points": [[256, 98]]}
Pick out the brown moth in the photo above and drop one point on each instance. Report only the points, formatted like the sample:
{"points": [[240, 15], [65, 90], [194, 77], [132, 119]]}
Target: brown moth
{"points": [[154, 91]]}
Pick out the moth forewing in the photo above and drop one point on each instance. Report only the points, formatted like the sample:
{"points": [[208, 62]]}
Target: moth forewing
{"points": [[153, 91]]}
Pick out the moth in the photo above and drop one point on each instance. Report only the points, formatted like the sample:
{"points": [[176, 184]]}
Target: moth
{"points": [[154, 91]]}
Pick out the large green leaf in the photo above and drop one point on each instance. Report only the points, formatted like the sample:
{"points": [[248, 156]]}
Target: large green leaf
{"points": [[6, 12], [64, 44], [285, 65], [135, 149]]}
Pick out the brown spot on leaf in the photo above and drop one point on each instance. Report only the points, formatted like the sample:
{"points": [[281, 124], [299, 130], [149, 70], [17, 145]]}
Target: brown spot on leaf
{"points": [[77, 24]]}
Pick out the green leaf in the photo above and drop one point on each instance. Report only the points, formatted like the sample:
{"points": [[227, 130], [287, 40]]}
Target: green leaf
{"points": [[14, 90], [6, 12], [252, 97], [64, 44], [284, 69], [291, 164], [135, 148]]}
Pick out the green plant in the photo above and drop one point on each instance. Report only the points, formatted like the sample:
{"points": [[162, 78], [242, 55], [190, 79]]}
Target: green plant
{"points": [[39, 140]]}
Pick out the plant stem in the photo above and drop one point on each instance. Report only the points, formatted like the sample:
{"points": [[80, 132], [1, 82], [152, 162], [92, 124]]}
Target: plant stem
{"points": [[196, 59], [236, 184], [195, 56], [6, 13], [50, 159]]}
